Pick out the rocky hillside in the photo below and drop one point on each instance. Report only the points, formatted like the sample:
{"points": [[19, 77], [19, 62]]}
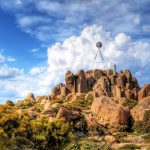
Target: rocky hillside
{"points": [[93, 110]]}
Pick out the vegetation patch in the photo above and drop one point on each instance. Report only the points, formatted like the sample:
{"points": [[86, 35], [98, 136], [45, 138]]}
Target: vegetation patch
{"points": [[130, 103], [143, 126], [83, 101], [129, 147], [120, 137], [120, 128], [147, 138]]}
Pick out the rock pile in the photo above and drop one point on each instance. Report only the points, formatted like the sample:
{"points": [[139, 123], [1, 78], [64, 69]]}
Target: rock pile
{"points": [[115, 85]]}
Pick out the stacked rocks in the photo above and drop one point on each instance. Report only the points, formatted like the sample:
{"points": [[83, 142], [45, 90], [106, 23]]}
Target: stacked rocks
{"points": [[111, 84]]}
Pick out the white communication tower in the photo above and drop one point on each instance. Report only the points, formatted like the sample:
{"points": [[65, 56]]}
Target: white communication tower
{"points": [[103, 62]]}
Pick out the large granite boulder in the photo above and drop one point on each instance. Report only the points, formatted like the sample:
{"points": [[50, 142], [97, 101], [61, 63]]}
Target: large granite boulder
{"points": [[144, 92], [139, 110], [69, 114], [108, 113]]}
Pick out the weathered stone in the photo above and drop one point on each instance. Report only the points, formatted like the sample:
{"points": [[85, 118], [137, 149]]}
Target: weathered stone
{"points": [[43, 101], [70, 81], [110, 138], [139, 110], [90, 83], [30, 96], [100, 82], [68, 114], [9, 103], [90, 121], [135, 83], [47, 106], [63, 91], [108, 112], [135, 92], [60, 89], [81, 85], [100, 87], [128, 86], [128, 76], [97, 74], [116, 91], [54, 92], [144, 92], [113, 79], [121, 80], [39, 98], [129, 94]]}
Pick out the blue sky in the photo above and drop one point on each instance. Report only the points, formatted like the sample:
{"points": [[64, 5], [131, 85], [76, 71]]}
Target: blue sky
{"points": [[41, 39]]}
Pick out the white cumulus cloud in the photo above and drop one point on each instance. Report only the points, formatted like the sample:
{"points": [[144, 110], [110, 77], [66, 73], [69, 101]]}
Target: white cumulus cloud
{"points": [[77, 52], [34, 71]]}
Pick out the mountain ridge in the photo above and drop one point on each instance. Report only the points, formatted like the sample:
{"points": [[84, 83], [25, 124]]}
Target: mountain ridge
{"points": [[96, 109]]}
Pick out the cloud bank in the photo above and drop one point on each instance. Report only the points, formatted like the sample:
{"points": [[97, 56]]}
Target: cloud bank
{"points": [[74, 53], [58, 20]]}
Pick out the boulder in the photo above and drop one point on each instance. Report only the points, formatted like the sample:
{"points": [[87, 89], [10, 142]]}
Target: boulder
{"points": [[68, 114], [108, 113], [9, 103], [121, 80], [81, 83], [135, 83], [30, 96], [139, 110], [129, 94], [39, 98], [90, 83], [101, 87], [113, 79], [128, 76], [70, 80], [110, 139], [47, 106], [144, 92], [97, 74]]}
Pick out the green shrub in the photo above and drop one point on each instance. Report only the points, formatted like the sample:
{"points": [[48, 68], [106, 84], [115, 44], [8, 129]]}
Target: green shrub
{"points": [[130, 103], [120, 136], [146, 116], [129, 147], [120, 128], [83, 101], [90, 146], [56, 101], [147, 138], [59, 132], [86, 145], [141, 127]]}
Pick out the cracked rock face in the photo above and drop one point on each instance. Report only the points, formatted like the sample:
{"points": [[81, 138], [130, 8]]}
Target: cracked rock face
{"points": [[114, 85], [108, 113], [139, 110], [144, 92]]}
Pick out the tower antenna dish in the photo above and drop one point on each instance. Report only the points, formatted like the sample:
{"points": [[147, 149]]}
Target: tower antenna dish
{"points": [[99, 52]]}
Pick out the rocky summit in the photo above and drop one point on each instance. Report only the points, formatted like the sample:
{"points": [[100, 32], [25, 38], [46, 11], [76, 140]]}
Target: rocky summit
{"points": [[100, 82], [92, 110]]}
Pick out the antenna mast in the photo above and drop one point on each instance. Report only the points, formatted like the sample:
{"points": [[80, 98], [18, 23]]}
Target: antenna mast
{"points": [[99, 45]]}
